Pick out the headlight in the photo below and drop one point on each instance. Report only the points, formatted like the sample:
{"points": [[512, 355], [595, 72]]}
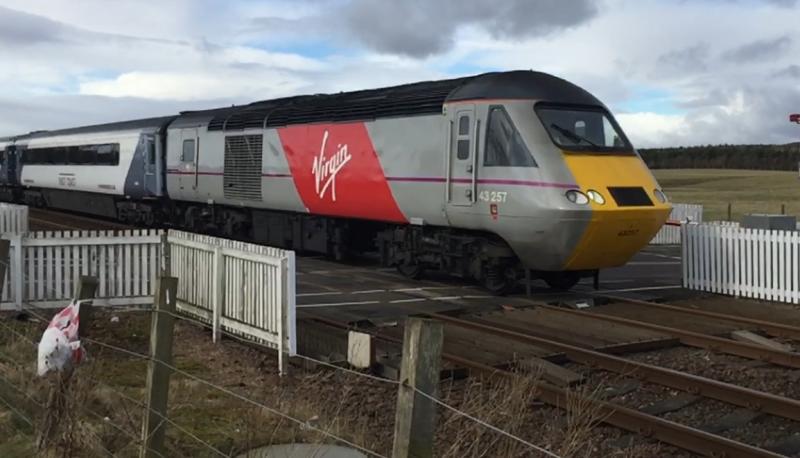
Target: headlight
{"points": [[660, 196], [577, 197], [596, 197]]}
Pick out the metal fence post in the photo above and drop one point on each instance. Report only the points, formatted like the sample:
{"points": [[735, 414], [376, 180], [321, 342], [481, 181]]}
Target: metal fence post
{"points": [[166, 267], [291, 294], [5, 248], [16, 270], [218, 273], [283, 297]]}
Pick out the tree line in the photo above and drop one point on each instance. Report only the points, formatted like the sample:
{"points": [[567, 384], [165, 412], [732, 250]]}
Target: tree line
{"points": [[754, 157]]}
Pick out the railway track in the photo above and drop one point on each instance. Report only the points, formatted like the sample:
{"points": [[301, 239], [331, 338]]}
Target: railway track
{"points": [[633, 421], [51, 220], [606, 359]]}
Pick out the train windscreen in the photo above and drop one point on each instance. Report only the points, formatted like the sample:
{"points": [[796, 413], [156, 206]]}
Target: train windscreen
{"points": [[586, 129]]}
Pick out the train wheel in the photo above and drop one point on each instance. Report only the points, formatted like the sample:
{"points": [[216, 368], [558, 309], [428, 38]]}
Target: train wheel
{"points": [[562, 281], [500, 280], [410, 269]]}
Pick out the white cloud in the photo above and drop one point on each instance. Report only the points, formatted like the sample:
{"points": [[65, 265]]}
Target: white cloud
{"points": [[673, 73], [188, 86], [652, 129]]}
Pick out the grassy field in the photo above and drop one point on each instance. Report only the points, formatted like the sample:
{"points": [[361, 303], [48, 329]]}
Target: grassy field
{"points": [[748, 191]]}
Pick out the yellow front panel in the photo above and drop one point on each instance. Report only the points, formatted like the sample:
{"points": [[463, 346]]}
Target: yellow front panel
{"points": [[614, 233]]}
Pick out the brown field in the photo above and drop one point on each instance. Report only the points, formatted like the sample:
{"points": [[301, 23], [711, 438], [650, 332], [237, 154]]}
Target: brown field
{"points": [[747, 191]]}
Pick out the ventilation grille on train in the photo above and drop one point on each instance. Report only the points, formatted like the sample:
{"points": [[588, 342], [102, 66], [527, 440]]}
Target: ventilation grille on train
{"points": [[630, 197], [242, 175]]}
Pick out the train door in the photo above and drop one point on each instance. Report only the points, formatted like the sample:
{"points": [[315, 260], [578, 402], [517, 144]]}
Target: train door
{"points": [[152, 182], [190, 148], [10, 164], [461, 170]]}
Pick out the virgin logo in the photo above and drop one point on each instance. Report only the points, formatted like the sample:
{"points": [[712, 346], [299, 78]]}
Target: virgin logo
{"points": [[325, 169]]}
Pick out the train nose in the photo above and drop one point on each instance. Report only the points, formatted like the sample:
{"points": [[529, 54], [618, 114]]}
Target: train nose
{"points": [[626, 212], [613, 236]]}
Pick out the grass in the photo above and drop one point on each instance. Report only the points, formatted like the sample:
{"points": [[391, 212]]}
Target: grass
{"points": [[102, 398], [748, 191], [102, 414]]}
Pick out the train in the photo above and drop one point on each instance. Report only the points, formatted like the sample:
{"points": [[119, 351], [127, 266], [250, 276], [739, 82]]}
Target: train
{"points": [[483, 177]]}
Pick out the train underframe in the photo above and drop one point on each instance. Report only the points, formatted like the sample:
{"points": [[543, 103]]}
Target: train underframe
{"points": [[475, 255]]}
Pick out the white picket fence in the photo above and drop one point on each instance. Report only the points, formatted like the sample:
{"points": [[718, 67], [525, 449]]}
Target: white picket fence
{"points": [[13, 219], [752, 263], [670, 234], [45, 266], [243, 288]]}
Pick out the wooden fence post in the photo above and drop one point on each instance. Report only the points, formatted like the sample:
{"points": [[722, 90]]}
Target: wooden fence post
{"points": [[87, 287], [161, 327], [5, 251], [415, 420]]}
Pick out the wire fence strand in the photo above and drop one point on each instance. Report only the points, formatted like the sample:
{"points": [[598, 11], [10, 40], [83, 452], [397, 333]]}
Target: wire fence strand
{"points": [[390, 381]]}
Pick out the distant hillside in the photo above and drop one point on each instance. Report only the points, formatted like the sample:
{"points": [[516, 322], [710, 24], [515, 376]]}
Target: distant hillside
{"points": [[755, 157]]}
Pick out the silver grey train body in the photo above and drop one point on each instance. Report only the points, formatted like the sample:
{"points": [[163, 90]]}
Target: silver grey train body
{"points": [[478, 176]]}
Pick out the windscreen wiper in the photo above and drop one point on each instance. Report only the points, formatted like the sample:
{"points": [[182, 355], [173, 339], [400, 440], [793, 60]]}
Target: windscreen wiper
{"points": [[573, 135]]}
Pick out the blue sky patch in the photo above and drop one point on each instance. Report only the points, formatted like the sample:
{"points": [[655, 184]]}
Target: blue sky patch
{"points": [[651, 100], [309, 49]]}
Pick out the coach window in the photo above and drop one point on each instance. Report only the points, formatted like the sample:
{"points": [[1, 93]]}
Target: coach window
{"points": [[82, 155], [463, 138], [188, 151], [504, 145], [108, 154]]}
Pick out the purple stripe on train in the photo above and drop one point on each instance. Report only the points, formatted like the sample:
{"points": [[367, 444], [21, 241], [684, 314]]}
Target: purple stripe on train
{"points": [[499, 181], [539, 184]]}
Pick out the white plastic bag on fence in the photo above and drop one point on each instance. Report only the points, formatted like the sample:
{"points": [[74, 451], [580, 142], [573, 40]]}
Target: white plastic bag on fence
{"points": [[60, 348]]}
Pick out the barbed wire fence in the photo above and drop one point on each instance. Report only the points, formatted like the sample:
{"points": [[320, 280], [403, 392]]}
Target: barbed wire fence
{"points": [[40, 313]]}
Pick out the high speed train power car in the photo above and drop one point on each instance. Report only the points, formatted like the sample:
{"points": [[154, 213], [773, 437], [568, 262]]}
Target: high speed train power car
{"points": [[481, 176]]}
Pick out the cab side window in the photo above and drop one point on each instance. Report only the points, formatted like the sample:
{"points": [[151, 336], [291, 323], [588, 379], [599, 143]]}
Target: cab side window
{"points": [[504, 145], [187, 155], [462, 152]]}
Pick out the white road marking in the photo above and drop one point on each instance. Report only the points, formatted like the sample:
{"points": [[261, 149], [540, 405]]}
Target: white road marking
{"points": [[336, 304], [375, 291], [402, 301], [324, 293], [658, 255], [644, 288], [421, 288]]}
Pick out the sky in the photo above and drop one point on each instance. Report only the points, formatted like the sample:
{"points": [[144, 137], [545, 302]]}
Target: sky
{"points": [[673, 72]]}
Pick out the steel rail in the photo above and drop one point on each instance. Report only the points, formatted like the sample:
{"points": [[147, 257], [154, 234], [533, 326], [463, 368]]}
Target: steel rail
{"points": [[777, 329], [640, 423], [696, 339], [695, 384], [669, 432]]}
